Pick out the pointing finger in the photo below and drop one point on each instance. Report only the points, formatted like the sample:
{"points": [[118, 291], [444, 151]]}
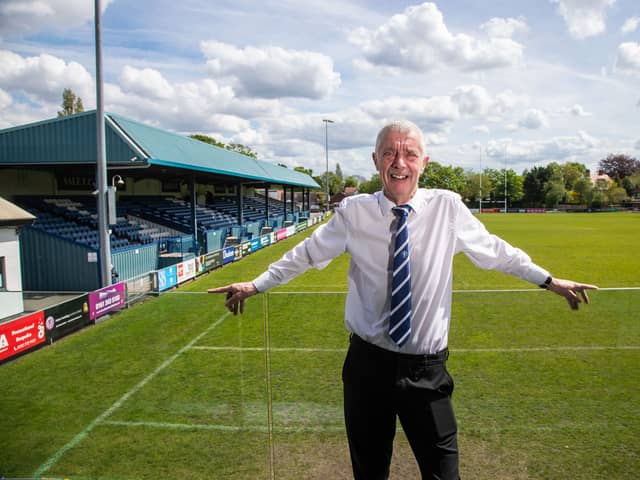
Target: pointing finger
{"points": [[226, 288]]}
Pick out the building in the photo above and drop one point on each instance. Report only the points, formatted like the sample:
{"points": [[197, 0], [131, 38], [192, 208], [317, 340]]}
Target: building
{"points": [[12, 218]]}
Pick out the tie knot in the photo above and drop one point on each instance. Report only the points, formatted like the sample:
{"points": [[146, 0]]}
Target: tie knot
{"points": [[401, 210]]}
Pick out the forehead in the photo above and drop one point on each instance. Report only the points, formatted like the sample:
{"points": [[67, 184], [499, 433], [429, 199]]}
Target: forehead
{"points": [[395, 139]]}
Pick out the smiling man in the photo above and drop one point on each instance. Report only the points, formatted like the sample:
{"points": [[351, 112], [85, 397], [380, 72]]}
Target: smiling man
{"points": [[401, 243]]}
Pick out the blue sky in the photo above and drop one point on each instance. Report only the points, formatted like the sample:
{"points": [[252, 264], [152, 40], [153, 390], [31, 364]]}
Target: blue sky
{"points": [[520, 83]]}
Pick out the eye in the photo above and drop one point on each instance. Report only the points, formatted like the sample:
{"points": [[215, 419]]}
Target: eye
{"points": [[388, 154]]}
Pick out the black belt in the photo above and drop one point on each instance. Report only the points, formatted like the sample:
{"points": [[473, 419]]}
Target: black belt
{"points": [[440, 356]]}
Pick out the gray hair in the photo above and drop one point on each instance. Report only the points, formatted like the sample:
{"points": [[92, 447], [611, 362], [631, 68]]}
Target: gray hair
{"points": [[402, 126]]}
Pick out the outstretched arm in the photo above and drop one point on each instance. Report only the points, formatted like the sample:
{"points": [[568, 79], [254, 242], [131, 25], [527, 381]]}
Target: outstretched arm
{"points": [[237, 293], [570, 290]]}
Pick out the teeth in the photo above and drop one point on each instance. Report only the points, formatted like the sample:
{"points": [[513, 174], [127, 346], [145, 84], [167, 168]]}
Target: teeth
{"points": [[399, 177]]}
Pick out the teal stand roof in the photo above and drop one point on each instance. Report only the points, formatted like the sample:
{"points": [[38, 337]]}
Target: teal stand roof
{"points": [[72, 140]]}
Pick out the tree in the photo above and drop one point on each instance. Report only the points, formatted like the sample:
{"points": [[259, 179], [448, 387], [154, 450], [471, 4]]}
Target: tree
{"points": [[234, 147], [632, 184], [207, 139], [554, 193], [330, 178], [617, 195], [533, 186], [584, 191], [618, 166], [306, 171], [477, 183], [554, 188], [350, 181], [372, 185], [514, 185], [243, 149], [572, 172], [70, 103], [439, 176], [340, 177]]}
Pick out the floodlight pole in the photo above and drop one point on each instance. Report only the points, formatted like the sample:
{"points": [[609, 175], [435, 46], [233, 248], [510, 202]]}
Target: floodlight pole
{"points": [[505, 178], [480, 207], [326, 151], [101, 162]]}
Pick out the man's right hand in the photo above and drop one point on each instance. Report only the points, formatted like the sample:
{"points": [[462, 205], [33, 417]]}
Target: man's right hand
{"points": [[237, 293]]}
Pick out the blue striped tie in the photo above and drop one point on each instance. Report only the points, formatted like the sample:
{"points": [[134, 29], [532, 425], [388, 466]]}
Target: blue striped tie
{"points": [[400, 319]]}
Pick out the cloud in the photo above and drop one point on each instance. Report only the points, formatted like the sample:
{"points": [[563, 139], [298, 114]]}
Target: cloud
{"points": [[504, 27], [272, 72], [559, 149], [584, 18], [628, 57], [534, 119], [5, 99], [481, 129], [418, 40], [472, 99], [146, 82], [637, 145], [189, 107], [29, 16], [43, 78], [630, 25], [578, 111]]}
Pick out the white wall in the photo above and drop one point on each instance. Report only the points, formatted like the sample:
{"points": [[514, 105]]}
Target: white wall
{"points": [[11, 300]]}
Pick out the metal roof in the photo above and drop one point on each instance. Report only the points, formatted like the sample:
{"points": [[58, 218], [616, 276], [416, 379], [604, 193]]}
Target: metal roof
{"points": [[13, 215], [72, 140]]}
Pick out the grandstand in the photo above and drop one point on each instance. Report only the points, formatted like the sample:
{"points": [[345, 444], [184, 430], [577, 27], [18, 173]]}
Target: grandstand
{"points": [[181, 198]]}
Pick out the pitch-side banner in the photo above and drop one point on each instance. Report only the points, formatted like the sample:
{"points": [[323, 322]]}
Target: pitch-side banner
{"points": [[265, 240], [228, 255], [186, 270], [105, 300], [21, 334], [66, 317], [281, 234], [167, 278]]}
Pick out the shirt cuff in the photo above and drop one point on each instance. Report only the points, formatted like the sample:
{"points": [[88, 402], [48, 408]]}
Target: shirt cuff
{"points": [[536, 275], [264, 282]]}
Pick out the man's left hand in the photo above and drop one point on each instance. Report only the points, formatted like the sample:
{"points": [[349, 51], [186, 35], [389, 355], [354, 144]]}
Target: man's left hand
{"points": [[574, 292]]}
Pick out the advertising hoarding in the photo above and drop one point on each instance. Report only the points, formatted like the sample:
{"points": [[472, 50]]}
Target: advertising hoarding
{"points": [[105, 300], [66, 317], [186, 270], [167, 278], [228, 255], [21, 334]]}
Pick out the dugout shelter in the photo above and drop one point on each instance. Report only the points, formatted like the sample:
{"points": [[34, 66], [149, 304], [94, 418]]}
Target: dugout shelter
{"points": [[172, 197]]}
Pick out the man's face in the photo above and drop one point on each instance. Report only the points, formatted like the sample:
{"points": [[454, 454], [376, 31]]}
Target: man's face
{"points": [[400, 162]]}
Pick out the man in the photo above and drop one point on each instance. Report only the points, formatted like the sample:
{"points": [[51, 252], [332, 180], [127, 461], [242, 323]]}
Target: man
{"points": [[401, 241]]}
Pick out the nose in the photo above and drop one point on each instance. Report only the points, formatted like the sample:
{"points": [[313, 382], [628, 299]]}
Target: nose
{"points": [[399, 160]]}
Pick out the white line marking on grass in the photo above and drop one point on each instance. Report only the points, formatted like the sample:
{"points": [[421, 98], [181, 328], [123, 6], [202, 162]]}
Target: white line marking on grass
{"points": [[273, 349], [577, 348], [228, 428], [508, 290], [100, 418]]}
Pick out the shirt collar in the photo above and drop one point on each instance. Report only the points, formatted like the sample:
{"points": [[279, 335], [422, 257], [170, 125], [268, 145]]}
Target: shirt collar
{"points": [[415, 203]]}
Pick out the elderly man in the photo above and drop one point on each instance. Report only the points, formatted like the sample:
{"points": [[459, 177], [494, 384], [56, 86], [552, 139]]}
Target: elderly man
{"points": [[401, 243]]}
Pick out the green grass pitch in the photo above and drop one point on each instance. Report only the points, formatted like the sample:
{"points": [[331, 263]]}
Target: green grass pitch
{"points": [[176, 387]]}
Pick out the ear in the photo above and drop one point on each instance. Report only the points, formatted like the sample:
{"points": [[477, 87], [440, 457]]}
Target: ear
{"points": [[375, 161], [425, 161]]}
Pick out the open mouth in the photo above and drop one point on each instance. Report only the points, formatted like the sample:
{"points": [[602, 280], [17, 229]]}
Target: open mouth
{"points": [[399, 177]]}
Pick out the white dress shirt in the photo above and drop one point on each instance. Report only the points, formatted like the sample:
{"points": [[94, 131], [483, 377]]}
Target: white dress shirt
{"points": [[440, 225]]}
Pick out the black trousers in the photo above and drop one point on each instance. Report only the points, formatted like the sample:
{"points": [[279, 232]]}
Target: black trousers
{"points": [[380, 386]]}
